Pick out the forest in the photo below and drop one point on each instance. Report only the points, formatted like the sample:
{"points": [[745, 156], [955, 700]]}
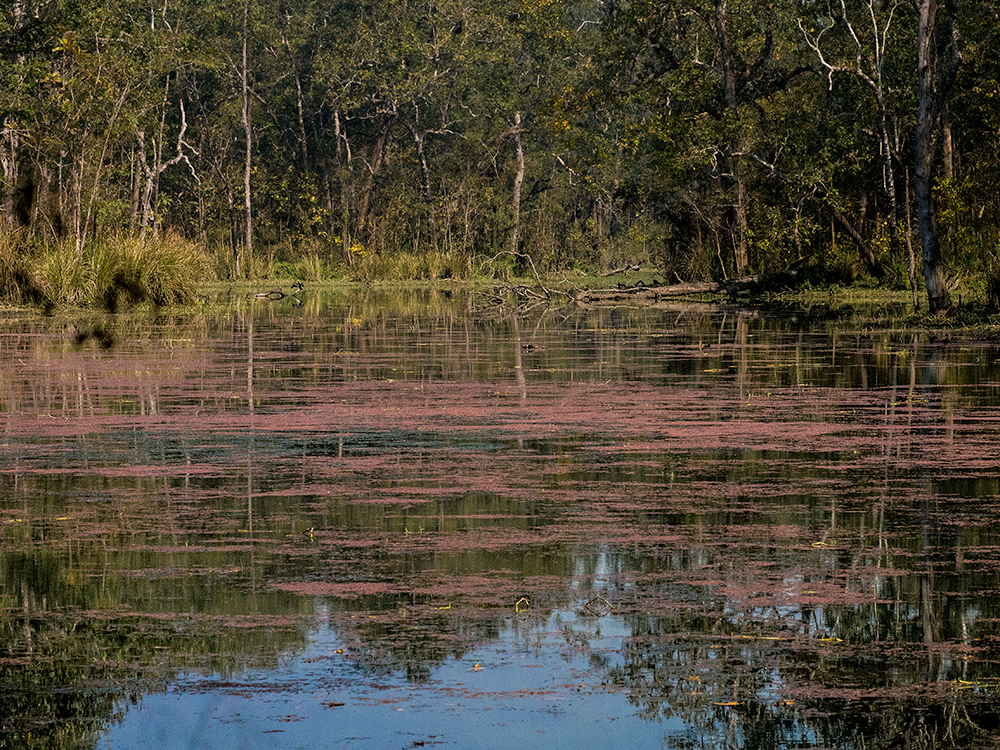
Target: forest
{"points": [[428, 139]]}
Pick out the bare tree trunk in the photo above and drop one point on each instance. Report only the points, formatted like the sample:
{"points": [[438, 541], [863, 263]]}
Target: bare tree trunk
{"points": [[425, 179], [932, 96], [425, 172], [734, 159], [889, 181], [148, 200], [247, 204], [138, 156], [11, 148], [947, 146], [11, 174], [300, 107], [376, 158], [518, 181], [864, 249], [146, 181], [912, 264], [344, 170], [77, 197], [232, 228], [740, 208]]}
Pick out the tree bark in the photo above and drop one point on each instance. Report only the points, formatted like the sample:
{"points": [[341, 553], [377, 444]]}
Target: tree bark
{"points": [[151, 175], [734, 159], [9, 161], [933, 89], [247, 204], [375, 161], [889, 181], [11, 148], [864, 249], [911, 266], [425, 178], [345, 169], [947, 146], [518, 181], [233, 241], [300, 106]]}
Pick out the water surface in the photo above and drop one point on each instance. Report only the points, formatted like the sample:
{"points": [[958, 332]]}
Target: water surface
{"points": [[410, 520]]}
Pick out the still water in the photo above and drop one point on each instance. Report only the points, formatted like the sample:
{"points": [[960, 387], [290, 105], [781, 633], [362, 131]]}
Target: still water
{"points": [[410, 520]]}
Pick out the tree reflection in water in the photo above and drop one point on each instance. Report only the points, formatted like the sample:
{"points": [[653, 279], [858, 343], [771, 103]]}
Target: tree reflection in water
{"points": [[762, 531]]}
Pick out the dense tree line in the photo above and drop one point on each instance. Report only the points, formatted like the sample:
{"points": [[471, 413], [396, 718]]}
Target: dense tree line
{"points": [[718, 137]]}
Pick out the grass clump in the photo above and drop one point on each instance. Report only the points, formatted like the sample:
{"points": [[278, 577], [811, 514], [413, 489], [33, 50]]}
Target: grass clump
{"points": [[407, 266], [115, 272], [163, 271], [19, 284]]}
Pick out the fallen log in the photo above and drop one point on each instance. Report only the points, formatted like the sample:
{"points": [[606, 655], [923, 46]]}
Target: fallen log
{"points": [[277, 293], [624, 269], [749, 284]]}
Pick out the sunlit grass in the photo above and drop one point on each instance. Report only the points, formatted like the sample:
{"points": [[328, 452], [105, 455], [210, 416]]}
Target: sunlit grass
{"points": [[118, 271], [407, 266]]}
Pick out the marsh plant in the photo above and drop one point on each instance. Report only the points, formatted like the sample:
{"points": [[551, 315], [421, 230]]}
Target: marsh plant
{"points": [[410, 266], [18, 285], [115, 271]]}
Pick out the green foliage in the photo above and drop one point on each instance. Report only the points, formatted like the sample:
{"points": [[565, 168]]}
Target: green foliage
{"points": [[308, 262], [391, 127]]}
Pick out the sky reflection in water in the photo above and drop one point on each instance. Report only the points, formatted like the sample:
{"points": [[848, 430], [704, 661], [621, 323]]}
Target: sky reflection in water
{"points": [[384, 522]]}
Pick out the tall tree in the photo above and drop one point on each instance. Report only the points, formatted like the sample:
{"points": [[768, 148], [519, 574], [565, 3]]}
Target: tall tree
{"points": [[935, 79], [702, 75], [862, 53], [248, 135]]}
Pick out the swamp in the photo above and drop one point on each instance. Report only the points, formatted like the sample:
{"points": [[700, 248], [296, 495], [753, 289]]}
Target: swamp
{"points": [[401, 519]]}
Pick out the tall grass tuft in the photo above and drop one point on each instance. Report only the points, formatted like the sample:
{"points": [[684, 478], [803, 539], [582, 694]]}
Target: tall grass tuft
{"points": [[162, 271], [259, 265], [405, 266], [19, 282], [64, 274], [312, 267], [991, 281], [117, 271]]}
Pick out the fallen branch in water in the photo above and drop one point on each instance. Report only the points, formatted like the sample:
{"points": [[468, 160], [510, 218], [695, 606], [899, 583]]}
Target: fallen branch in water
{"points": [[523, 291], [277, 293], [751, 284]]}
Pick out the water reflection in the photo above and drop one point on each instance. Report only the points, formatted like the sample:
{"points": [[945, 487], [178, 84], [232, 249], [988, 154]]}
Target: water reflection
{"points": [[720, 528]]}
